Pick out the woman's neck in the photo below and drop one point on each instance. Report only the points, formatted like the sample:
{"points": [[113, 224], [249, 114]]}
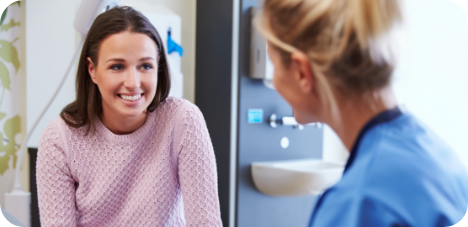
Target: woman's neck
{"points": [[355, 114], [121, 125]]}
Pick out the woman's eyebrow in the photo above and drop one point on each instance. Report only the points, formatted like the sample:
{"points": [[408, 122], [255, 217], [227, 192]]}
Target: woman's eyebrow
{"points": [[147, 58], [123, 60], [116, 59]]}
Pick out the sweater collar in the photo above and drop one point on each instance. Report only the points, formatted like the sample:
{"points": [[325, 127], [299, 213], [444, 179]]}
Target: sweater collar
{"points": [[133, 137]]}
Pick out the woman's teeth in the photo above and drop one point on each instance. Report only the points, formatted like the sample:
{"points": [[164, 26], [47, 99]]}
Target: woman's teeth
{"points": [[130, 98]]}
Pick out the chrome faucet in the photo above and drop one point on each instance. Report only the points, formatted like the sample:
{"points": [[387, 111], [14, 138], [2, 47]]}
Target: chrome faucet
{"points": [[274, 121]]}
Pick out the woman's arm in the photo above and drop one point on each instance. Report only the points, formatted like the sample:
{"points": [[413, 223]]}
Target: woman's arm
{"points": [[197, 171], [55, 185]]}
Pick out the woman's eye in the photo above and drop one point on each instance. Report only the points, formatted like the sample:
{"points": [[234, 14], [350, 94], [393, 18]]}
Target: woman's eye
{"points": [[116, 67], [146, 66]]}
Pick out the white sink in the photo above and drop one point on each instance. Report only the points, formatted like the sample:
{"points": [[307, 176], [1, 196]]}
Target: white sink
{"points": [[296, 177]]}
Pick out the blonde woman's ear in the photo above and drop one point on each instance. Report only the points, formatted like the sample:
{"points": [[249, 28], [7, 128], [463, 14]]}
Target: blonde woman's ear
{"points": [[91, 69], [304, 76]]}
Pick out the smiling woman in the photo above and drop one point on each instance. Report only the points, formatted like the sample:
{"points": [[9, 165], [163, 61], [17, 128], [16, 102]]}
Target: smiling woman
{"points": [[124, 153]]}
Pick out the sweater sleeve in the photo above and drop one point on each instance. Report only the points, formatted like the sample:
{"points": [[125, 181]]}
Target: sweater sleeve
{"points": [[55, 185], [197, 171]]}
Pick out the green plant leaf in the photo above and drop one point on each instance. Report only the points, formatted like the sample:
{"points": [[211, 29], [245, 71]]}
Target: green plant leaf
{"points": [[11, 128], [4, 159], [5, 27], [2, 115], [4, 76], [9, 53], [3, 15], [6, 11]]}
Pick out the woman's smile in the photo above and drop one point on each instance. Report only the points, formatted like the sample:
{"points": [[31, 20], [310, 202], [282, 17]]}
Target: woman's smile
{"points": [[131, 98]]}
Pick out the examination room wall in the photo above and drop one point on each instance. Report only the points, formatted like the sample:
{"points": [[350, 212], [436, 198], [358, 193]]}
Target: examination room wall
{"points": [[432, 78]]}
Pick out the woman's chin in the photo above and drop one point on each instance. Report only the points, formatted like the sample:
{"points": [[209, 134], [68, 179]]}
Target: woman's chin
{"points": [[133, 113], [130, 111]]}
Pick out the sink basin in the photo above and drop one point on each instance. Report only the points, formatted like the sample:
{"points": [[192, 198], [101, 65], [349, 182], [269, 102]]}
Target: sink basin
{"points": [[296, 177]]}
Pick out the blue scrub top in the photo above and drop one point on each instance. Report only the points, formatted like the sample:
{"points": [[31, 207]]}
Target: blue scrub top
{"points": [[399, 173]]}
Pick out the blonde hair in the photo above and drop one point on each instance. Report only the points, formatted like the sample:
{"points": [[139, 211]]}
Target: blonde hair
{"points": [[350, 43]]}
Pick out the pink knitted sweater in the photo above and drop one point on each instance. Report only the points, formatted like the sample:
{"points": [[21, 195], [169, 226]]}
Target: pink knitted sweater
{"points": [[163, 174]]}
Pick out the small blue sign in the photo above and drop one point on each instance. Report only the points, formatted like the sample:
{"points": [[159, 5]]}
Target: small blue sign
{"points": [[254, 116]]}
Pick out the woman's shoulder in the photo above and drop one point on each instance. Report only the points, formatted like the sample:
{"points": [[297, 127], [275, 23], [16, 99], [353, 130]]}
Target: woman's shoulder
{"points": [[53, 135], [404, 155], [62, 124], [405, 136], [55, 126], [175, 107], [180, 113], [404, 142], [62, 129], [404, 150], [174, 102]]}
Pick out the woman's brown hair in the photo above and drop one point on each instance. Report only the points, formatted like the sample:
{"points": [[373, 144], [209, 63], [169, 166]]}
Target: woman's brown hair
{"points": [[88, 101]]}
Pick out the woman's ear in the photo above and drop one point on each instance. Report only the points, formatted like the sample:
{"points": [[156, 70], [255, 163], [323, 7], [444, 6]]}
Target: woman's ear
{"points": [[91, 69], [305, 76]]}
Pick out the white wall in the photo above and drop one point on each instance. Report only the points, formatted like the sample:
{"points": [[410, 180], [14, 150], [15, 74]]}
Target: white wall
{"points": [[333, 148], [431, 80], [51, 42]]}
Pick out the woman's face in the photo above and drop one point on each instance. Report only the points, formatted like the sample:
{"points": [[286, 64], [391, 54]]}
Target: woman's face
{"points": [[295, 83], [126, 74]]}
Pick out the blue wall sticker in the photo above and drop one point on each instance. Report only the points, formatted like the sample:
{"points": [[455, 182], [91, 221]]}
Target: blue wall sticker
{"points": [[254, 116]]}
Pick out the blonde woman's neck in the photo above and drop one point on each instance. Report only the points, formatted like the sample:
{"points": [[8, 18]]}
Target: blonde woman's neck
{"points": [[357, 112]]}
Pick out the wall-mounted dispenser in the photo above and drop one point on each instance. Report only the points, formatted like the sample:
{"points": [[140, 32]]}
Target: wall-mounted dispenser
{"points": [[261, 66]]}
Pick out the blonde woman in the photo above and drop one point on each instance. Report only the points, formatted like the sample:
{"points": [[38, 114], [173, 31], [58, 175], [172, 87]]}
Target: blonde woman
{"points": [[334, 61]]}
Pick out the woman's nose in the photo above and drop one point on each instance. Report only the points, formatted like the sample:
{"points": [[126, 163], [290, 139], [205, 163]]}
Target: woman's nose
{"points": [[132, 80]]}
